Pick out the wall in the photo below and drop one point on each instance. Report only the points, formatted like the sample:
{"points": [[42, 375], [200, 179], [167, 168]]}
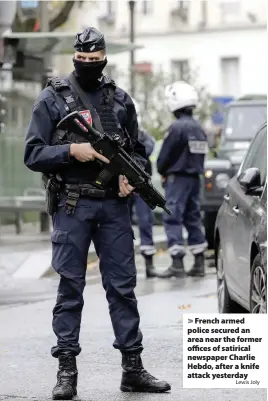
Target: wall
{"points": [[159, 18], [204, 50]]}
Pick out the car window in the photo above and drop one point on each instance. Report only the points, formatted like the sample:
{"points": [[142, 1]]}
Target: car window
{"points": [[242, 122], [257, 154]]}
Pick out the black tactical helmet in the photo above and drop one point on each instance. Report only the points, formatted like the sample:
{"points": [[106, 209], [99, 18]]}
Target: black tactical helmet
{"points": [[89, 41]]}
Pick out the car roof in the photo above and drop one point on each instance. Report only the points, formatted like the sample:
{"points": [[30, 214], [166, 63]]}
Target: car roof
{"points": [[255, 102]]}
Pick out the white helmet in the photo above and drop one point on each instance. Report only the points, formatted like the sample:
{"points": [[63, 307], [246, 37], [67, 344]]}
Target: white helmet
{"points": [[180, 95], [138, 110]]}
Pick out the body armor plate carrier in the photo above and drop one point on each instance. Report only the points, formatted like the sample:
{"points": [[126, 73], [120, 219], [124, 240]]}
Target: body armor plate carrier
{"points": [[109, 125]]}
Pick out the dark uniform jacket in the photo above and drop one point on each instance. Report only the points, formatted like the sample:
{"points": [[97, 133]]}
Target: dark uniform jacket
{"points": [[184, 148], [42, 156]]}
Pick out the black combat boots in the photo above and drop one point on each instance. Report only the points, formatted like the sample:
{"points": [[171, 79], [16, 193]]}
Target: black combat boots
{"points": [[198, 269], [66, 387], [149, 266], [136, 379], [175, 270]]}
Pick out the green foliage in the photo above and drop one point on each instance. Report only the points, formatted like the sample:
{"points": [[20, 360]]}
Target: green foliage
{"points": [[149, 93], [205, 107]]}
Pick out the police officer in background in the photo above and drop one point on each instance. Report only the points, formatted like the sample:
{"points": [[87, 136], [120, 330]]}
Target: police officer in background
{"points": [[180, 162], [143, 212], [86, 215]]}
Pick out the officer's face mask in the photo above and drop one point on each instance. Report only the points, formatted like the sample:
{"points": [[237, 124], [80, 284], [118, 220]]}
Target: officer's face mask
{"points": [[88, 73]]}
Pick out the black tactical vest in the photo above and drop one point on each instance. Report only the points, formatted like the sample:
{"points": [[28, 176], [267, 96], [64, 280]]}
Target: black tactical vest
{"points": [[78, 172]]}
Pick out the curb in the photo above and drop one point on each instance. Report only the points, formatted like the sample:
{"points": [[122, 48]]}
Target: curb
{"points": [[160, 244], [37, 264]]}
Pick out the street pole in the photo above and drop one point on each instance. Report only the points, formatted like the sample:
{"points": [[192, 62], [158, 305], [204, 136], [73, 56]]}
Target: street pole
{"points": [[132, 51], [44, 27], [44, 17]]}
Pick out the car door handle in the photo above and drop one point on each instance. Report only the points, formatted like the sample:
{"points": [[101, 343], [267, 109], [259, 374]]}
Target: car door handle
{"points": [[236, 209], [226, 198]]}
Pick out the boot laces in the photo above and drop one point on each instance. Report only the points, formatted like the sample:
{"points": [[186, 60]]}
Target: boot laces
{"points": [[146, 376], [138, 367], [66, 370], [66, 362], [64, 378]]}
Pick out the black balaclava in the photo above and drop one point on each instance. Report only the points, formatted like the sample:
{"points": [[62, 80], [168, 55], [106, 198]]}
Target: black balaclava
{"points": [[186, 111], [88, 74]]}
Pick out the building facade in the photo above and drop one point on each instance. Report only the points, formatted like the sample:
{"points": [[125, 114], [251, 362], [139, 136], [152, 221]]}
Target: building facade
{"points": [[224, 40]]}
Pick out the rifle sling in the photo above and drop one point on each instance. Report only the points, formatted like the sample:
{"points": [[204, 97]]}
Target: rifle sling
{"points": [[86, 102]]}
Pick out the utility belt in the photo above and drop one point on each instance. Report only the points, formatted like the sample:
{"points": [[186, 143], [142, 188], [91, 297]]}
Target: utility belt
{"points": [[76, 191], [55, 188], [85, 191]]}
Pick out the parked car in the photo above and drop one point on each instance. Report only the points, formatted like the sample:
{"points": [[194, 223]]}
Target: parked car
{"points": [[241, 235], [242, 120]]}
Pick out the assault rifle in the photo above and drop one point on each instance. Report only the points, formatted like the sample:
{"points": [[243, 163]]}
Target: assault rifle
{"points": [[120, 161]]}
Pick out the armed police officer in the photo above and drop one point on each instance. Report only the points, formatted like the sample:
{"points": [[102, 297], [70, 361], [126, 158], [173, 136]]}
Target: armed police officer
{"points": [[180, 163], [143, 212], [86, 213]]}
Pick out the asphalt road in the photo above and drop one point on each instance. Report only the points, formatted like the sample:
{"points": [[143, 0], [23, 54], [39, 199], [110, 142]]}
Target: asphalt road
{"points": [[27, 371]]}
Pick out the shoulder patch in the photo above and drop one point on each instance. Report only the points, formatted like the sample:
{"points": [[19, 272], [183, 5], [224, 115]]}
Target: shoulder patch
{"points": [[87, 116]]}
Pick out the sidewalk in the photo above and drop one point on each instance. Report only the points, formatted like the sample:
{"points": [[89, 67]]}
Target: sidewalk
{"points": [[28, 255]]}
